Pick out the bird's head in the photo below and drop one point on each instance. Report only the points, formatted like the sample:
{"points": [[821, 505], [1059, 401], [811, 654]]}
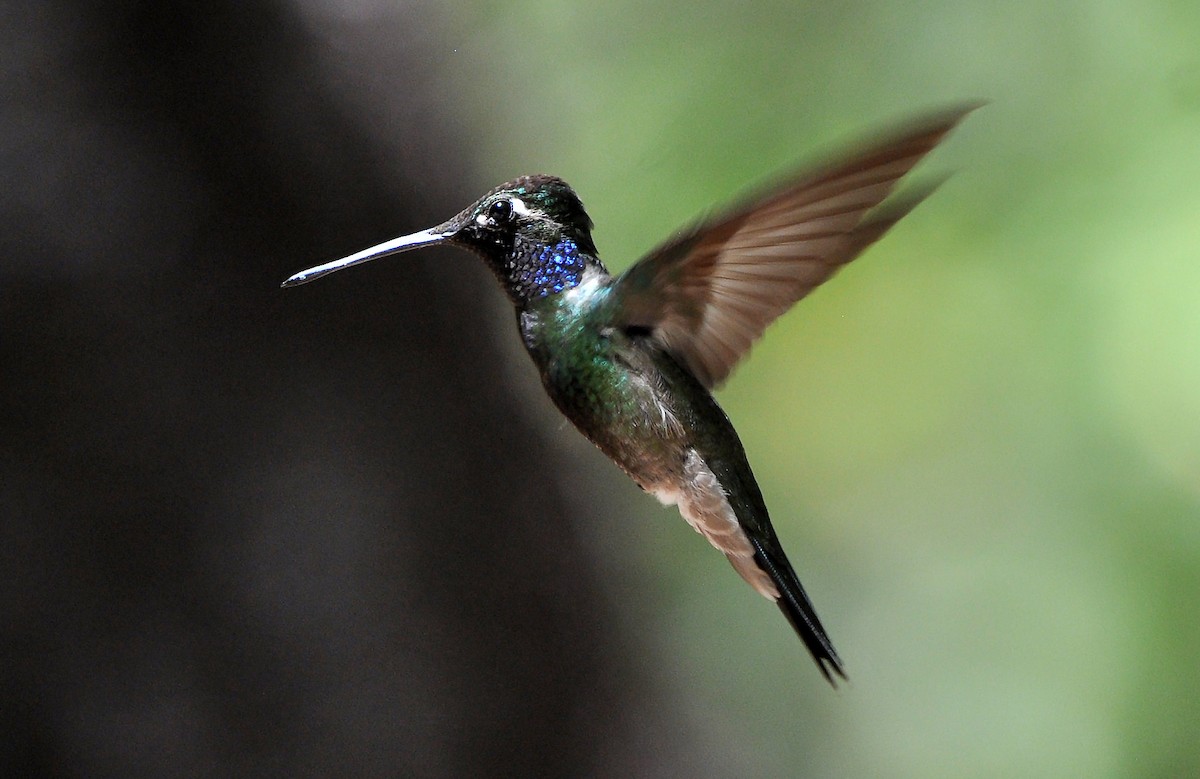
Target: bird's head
{"points": [[533, 232]]}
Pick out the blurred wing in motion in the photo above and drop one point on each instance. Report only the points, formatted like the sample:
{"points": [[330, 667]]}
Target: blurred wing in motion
{"points": [[708, 294]]}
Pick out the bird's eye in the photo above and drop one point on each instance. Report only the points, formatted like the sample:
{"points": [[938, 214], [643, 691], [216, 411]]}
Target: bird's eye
{"points": [[500, 211]]}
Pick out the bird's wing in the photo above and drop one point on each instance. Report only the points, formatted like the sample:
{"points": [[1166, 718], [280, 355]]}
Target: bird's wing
{"points": [[709, 293]]}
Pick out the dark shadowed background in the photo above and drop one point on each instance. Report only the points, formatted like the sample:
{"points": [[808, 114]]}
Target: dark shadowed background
{"points": [[339, 531]]}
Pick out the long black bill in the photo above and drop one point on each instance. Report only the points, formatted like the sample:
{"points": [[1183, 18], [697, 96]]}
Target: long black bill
{"points": [[402, 244]]}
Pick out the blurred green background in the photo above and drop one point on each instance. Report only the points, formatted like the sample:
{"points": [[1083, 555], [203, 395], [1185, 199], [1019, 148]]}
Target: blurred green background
{"points": [[980, 442], [341, 531]]}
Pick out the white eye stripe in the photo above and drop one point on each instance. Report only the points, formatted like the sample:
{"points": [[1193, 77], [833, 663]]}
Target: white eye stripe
{"points": [[517, 207]]}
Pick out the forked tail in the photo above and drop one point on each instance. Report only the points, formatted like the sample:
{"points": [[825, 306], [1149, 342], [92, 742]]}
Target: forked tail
{"points": [[798, 609]]}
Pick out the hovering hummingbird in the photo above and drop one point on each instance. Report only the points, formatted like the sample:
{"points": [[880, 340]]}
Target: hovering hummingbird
{"points": [[631, 360]]}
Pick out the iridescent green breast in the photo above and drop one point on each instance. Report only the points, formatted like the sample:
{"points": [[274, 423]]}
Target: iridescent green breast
{"points": [[604, 380]]}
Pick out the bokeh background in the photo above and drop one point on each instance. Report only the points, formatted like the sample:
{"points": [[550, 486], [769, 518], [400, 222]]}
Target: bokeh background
{"points": [[339, 530]]}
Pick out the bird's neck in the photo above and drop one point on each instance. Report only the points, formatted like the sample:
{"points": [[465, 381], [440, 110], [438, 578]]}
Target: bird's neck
{"points": [[535, 269]]}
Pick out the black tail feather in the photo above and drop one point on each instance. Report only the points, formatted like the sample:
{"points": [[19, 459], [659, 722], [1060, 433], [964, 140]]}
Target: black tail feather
{"points": [[798, 609]]}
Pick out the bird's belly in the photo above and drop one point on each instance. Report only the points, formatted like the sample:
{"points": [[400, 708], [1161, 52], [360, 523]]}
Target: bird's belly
{"points": [[628, 418], [620, 401]]}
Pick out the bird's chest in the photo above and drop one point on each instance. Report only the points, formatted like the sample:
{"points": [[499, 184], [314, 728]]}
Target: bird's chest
{"points": [[608, 387]]}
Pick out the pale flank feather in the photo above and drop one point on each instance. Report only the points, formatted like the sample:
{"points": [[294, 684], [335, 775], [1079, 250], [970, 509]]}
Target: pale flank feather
{"points": [[708, 294]]}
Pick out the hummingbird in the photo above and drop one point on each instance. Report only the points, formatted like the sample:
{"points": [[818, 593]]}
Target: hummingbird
{"points": [[632, 360]]}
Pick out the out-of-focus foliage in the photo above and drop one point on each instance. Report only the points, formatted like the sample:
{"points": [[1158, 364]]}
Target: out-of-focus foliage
{"points": [[981, 443]]}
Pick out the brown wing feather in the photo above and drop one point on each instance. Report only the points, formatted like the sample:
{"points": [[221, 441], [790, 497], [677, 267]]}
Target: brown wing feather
{"points": [[709, 293]]}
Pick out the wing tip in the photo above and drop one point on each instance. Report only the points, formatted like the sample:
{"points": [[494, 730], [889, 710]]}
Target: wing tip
{"points": [[885, 215], [946, 116], [932, 125], [924, 134], [911, 140]]}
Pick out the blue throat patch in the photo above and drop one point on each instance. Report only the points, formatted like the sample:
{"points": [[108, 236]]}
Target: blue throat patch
{"points": [[555, 268]]}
